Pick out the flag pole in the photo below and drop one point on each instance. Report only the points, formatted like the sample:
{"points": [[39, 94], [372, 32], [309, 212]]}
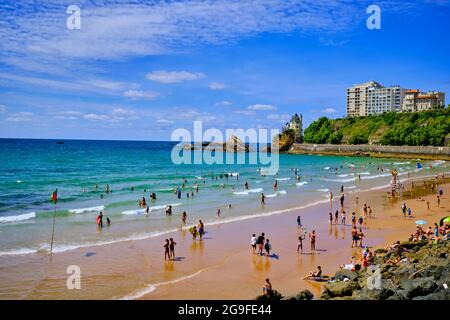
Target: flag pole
{"points": [[54, 220]]}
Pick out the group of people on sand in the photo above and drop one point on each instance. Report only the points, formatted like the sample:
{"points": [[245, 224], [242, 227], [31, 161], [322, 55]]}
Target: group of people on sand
{"points": [[169, 249], [260, 244], [198, 231]]}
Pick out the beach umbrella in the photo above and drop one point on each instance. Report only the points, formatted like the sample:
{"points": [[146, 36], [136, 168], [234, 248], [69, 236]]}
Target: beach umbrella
{"points": [[421, 222], [445, 220]]}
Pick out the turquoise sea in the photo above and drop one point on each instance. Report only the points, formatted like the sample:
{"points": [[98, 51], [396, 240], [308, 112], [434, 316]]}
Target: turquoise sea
{"points": [[30, 170]]}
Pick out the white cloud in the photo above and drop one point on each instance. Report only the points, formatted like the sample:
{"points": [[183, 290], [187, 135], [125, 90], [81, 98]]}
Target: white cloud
{"points": [[3, 108], [278, 117], [245, 112], [164, 121], [21, 117], [33, 31], [216, 86], [68, 115], [265, 107], [329, 110], [92, 85], [96, 117], [163, 76], [223, 103], [137, 94]]}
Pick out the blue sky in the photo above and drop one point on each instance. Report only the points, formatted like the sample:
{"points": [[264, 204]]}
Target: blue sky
{"points": [[138, 70]]}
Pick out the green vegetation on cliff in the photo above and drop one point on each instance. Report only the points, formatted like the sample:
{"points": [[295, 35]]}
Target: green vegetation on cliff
{"points": [[392, 128]]}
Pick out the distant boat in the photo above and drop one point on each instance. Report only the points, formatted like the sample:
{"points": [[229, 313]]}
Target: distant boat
{"points": [[59, 142]]}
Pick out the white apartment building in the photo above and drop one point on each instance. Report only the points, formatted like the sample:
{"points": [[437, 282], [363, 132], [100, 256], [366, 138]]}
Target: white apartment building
{"points": [[373, 98], [357, 97], [415, 100], [384, 99]]}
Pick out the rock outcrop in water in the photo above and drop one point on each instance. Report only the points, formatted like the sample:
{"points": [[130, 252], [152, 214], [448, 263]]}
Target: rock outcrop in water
{"points": [[233, 144]]}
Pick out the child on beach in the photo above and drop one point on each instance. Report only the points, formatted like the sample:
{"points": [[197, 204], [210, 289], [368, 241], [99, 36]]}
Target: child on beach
{"points": [[299, 222], [343, 217], [353, 218], [267, 247], [253, 243], [360, 221], [409, 212]]}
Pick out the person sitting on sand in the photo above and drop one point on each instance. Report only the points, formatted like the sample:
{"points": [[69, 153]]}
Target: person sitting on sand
{"points": [[267, 289], [350, 266], [314, 274]]}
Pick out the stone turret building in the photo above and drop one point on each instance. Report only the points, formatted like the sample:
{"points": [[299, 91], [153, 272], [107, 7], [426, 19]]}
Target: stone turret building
{"points": [[296, 124]]}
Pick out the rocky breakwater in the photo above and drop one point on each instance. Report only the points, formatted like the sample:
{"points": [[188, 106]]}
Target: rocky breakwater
{"points": [[412, 271], [408, 271]]}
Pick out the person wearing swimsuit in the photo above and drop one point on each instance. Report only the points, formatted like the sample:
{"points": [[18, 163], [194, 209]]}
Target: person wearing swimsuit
{"points": [[166, 250]]}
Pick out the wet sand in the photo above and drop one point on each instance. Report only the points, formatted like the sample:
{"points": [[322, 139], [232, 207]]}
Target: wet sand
{"points": [[222, 265]]}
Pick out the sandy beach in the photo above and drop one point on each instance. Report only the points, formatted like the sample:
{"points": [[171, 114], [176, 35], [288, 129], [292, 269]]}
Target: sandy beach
{"points": [[222, 265]]}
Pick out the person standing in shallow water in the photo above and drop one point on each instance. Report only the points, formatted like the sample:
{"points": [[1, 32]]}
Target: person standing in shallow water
{"points": [[312, 236], [299, 222], [263, 198], [172, 248], [166, 250], [184, 217]]}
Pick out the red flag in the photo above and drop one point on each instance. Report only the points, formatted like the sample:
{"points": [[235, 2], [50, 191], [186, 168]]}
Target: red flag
{"points": [[55, 196]]}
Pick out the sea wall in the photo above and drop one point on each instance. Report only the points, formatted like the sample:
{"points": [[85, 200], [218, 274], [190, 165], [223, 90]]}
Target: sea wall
{"points": [[409, 152]]}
